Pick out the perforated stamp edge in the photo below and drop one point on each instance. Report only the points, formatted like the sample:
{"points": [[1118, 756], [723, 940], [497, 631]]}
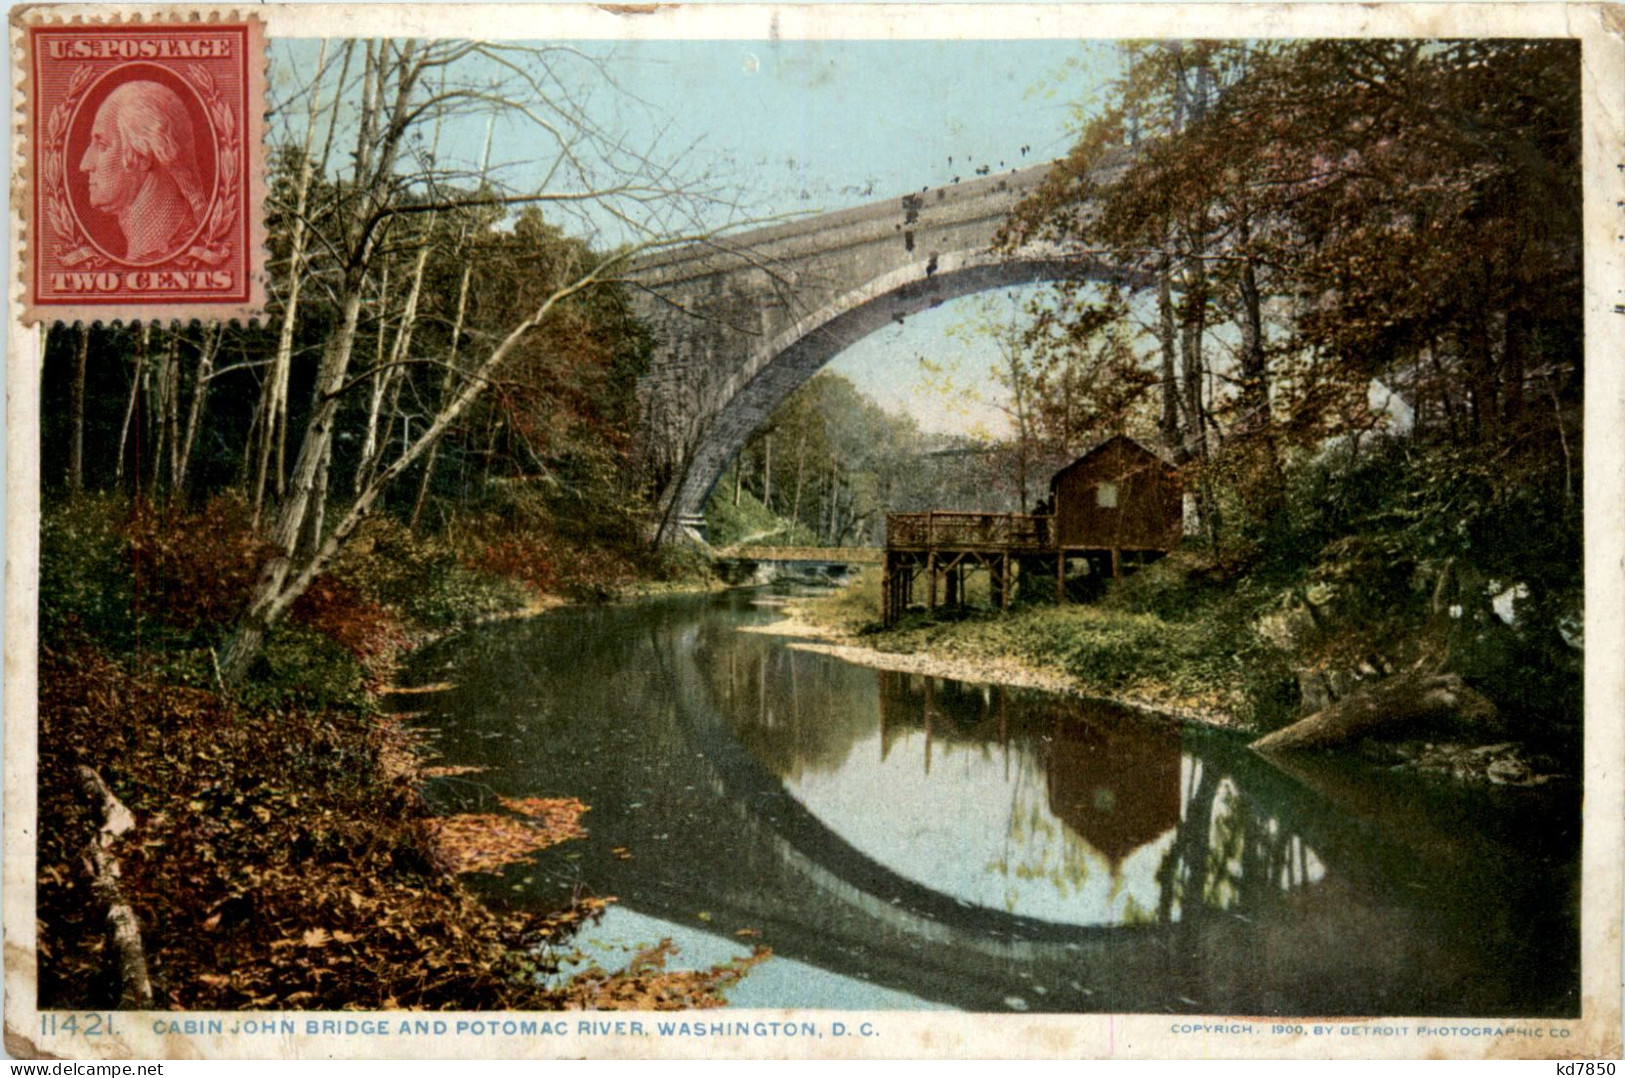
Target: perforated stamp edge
{"points": [[25, 163]]}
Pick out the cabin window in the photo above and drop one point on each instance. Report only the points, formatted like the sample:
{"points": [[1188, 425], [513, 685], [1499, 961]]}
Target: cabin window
{"points": [[1106, 495]]}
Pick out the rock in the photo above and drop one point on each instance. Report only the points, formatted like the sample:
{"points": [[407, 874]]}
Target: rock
{"points": [[1314, 691], [1509, 771]]}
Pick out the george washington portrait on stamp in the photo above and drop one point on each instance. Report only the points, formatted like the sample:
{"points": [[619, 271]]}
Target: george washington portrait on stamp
{"points": [[143, 170]]}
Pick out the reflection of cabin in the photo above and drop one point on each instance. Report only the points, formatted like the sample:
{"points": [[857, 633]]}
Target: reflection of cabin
{"points": [[1117, 506], [1116, 787]]}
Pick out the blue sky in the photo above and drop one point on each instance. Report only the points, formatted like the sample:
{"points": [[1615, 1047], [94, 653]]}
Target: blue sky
{"points": [[800, 126]]}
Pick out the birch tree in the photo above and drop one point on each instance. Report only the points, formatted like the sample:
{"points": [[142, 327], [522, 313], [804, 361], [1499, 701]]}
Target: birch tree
{"points": [[404, 89]]}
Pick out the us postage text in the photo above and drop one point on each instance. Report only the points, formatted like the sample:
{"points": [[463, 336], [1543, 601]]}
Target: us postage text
{"points": [[1037, 531]]}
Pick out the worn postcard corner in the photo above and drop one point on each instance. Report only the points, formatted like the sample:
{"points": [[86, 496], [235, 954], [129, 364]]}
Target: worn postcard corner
{"points": [[815, 531]]}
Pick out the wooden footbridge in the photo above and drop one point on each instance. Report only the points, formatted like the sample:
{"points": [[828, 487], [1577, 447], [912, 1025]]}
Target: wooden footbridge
{"points": [[851, 555]]}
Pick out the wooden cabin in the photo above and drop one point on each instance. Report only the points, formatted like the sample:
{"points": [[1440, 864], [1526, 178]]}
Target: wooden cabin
{"points": [[1117, 499], [1117, 505]]}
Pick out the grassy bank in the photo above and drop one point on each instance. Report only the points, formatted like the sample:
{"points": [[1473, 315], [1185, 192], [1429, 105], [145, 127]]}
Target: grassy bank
{"points": [[1135, 657], [1369, 567], [282, 856]]}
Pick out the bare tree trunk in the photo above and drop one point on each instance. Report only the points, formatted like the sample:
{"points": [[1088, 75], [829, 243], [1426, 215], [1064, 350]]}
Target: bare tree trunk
{"points": [[76, 439], [123, 930], [456, 336], [172, 409], [801, 468], [307, 482], [767, 471], [1192, 371], [375, 399], [129, 410], [1255, 386], [1024, 434], [834, 499], [396, 376], [316, 519], [159, 407], [208, 350], [445, 388], [274, 400], [1172, 438], [1405, 698]]}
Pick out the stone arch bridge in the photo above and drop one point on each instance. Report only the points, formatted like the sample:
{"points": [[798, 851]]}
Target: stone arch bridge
{"points": [[741, 322]]}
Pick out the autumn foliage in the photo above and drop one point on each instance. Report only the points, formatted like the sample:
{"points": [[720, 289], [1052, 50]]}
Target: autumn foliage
{"points": [[284, 859], [195, 566]]}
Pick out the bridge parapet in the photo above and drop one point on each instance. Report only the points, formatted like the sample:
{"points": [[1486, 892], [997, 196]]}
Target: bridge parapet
{"points": [[741, 322]]}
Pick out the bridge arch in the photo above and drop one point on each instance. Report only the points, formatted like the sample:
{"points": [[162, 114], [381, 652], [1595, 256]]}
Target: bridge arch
{"points": [[778, 366], [741, 322]]}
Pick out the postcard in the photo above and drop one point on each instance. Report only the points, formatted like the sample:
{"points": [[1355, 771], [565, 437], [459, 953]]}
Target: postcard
{"points": [[815, 530]]}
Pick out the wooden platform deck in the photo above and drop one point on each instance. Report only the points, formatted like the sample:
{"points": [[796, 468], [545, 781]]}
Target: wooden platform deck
{"points": [[954, 530], [945, 545]]}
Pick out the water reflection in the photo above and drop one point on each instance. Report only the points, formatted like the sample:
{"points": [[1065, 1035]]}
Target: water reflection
{"points": [[991, 848], [1070, 811]]}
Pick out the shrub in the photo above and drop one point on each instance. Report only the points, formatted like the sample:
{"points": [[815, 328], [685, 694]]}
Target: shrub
{"points": [[84, 581], [338, 611], [424, 579], [306, 666], [194, 570], [115, 571]]}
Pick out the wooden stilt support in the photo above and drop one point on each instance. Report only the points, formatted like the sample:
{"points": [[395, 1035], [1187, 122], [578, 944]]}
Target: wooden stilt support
{"points": [[931, 582], [1117, 563], [929, 693], [886, 581], [1060, 576]]}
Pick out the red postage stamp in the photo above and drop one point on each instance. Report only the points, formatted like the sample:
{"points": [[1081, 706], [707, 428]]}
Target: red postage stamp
{"points": [[144, 159]]}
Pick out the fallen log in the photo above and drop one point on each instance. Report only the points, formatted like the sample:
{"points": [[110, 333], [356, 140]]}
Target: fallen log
{"points": [[1396, 702], [123, 929]]}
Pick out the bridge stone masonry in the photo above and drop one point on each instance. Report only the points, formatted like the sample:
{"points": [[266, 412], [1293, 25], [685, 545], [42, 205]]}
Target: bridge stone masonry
{"points": [[740, 322]]}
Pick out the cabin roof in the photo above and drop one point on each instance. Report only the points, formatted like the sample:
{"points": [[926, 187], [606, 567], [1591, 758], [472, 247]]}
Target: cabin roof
{"points": [[1090, 454]]}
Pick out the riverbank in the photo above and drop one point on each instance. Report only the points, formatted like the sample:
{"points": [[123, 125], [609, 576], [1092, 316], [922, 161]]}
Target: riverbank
{"points": [[843, 625], [1008, 670], [1196, 671], [270, 848]]}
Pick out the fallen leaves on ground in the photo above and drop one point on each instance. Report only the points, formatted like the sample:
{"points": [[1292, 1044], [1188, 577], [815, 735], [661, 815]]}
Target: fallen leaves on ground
{"points": [[446, 771], [281, 859], [486, 842]]}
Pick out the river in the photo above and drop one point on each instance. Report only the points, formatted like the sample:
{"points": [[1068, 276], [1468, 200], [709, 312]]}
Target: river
{"points": [[908, 842]]}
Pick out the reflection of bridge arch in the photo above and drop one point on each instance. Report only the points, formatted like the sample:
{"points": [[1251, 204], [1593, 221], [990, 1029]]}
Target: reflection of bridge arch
{"points": [[1413, 909], [917, 939], [740, 324]]}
